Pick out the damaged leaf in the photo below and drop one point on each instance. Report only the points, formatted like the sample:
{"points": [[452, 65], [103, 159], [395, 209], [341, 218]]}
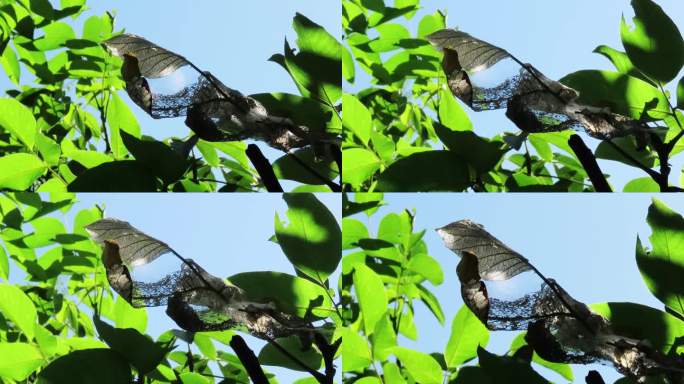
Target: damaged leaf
{"points": [[213, 111], [559, 328], [196, 300], [533, 102]]}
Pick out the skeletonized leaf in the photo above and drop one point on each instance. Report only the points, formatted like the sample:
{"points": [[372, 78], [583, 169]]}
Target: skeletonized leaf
{"points": [[135, 247], [154, 61], [195, 299], [496, 261], [472, 54]]}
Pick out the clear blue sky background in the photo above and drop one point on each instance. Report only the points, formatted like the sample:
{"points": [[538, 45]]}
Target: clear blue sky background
{"points": [[557, 37], [231, 39], [225, 233], [585, 242]]}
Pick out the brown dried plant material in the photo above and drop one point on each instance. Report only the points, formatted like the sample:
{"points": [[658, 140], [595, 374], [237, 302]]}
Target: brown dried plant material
{"points": [[194, 299], [559, 328], [533, 102], [213, 111]]}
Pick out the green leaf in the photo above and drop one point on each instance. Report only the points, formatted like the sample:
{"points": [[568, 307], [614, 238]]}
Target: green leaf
{"points": [[348, 67], [621, 61], [157, 156], [655, 44], [505, 369], [49, 150], [312, 240], [20, 170], [431, 23], [56, 34], [42, 8], [422, 367], [392, 373], [641, 184], [358, 165], [371, 295], [431, 171], [18, 308], [291, 294], [88, 159], [356, 355], [301, 110], [205, 345], [395, 229], [4, 264], [627, 144], [640, 322], [481, 154], [193, 378], [467, 334], [87, 366], [120, 118], [352, 231], [317, 67], [270, 355], [11, 65], [286, 167], [663, 266], [19, 360], [427, 267], [431, 301], [680, 93], [125, 316], [621, 93], [139, 349], [356, 118], [18, 120], [384, 338], [451, 115], [116, 176]]}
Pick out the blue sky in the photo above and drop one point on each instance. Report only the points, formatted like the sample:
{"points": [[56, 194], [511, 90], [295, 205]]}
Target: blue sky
{"points": [[225, 234], [557, 37], [585, 242]]}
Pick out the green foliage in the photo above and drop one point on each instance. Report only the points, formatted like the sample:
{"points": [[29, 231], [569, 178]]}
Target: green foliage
{"points": [[663, 266], [467, 334], [312, 238], [405, 132], [64, 324], [66, 126]]}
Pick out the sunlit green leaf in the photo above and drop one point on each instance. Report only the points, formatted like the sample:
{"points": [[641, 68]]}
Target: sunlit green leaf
{"points": [[18, 360], [18, 120], [358, 165], [291, 294], [356, 118], [662, 267], [370, 292], [20, 170], [311, 239], [467, 333], [422, 367], [125, 316], [654, 43], [623, 94]]}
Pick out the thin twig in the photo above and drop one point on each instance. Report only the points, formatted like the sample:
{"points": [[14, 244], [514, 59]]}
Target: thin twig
{"points": [[264, 169], [588, 161], [248, 360]]}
